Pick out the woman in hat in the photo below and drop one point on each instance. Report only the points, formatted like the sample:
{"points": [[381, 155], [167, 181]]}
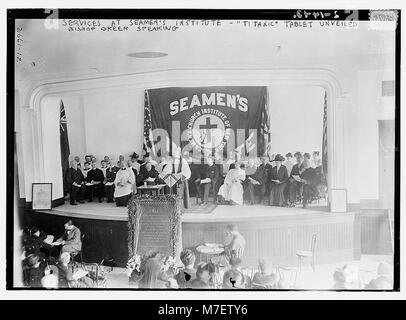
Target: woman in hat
{"points": [[34, 271], [278, 179]]}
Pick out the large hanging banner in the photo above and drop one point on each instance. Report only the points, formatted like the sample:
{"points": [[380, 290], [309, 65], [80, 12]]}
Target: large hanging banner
{"points": [[220, 121]]}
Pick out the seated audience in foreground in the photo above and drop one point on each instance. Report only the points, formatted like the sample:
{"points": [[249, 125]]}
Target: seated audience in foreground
{"points": [[236, 264], [75, 183], [278, 182], [203, 276], [233, 279], [232, 190], [71, 240], [154, 276], [384, 280], [264, 279], [33, 272], [207, 181], [123, 183], [347, 277], [95, 178], [188, 273], [67, 278]]}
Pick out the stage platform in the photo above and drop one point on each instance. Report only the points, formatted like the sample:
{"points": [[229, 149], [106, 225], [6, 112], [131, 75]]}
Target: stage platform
{"points": [[270, 232]]}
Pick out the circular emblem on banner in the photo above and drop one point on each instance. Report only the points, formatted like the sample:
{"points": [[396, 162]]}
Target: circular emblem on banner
{"points": [[208, 131]]}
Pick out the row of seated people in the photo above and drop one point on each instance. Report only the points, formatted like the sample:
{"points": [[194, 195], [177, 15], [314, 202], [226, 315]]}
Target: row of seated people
{"points": [[117, 182], [276, 181]]}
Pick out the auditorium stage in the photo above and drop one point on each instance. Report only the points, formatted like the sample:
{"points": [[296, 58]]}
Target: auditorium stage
{"points": [[271, 232]]}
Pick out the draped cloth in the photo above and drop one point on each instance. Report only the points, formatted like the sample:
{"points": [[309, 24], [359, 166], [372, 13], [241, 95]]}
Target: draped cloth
{"points": [[232, 188]]}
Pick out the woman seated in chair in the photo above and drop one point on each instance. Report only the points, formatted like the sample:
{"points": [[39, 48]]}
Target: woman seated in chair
{"points": [[278, 180], [233, 279], [235, 264], [264, 279], [232, 191]]}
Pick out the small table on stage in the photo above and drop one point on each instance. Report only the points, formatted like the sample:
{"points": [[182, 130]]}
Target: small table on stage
{"points": [[210, 250], [152, 189]]}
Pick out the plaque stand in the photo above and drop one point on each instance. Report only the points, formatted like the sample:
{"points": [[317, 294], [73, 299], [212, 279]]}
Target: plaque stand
{"points": [[159, 211]]}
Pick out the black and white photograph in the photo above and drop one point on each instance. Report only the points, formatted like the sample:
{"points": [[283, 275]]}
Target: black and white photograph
{"points": [[204, 150]]}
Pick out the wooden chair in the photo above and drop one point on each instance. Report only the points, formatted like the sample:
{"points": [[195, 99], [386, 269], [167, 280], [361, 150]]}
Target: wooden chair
{"points": [[76, 254], [307, 254]]}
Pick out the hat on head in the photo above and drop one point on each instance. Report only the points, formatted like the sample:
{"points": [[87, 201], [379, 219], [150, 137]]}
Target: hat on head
{"points": [[288, 155], [278, 157], [134, 156]]}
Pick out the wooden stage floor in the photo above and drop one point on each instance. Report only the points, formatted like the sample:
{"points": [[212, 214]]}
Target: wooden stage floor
{"points": [[222, 213]]}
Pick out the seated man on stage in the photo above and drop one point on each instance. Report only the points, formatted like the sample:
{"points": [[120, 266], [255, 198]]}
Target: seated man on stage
{"points": [[148, 174], [95, 186], [207, 180], [278, 179], [123, 183], [294, 182], [178, 165], [75, 182], [111, 172], [232, 190], [86, 169], [310, 180], [255, 184]]}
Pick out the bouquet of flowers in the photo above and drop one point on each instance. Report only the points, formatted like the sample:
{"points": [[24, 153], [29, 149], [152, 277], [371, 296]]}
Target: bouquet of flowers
{"points": [[169, 265], [134, 264]]}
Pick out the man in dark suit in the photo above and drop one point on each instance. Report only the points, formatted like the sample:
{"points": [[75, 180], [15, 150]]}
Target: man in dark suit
{"points": [[257, 183], [148, 172], [111, 172], [95, 178], [294, 185], [310, 180], [75, 182], [207, 180]]}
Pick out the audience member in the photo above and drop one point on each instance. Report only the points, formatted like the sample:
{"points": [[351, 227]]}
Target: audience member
{"points": [[289, 163], [384, 280], [347, 277], [34, 272], [202, 280], [265, 278], [234, 243], [154, 276], [233, 279], [188, 273], [278, 180], [71, 240]]}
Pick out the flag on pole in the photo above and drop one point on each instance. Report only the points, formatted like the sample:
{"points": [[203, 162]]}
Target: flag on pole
{"points": [[64, 142], [265, 130], [324, 143], [148, 139]]}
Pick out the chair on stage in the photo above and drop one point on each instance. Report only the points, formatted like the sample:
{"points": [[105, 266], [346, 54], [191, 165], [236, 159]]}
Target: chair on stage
{"points": [[303, 254]]}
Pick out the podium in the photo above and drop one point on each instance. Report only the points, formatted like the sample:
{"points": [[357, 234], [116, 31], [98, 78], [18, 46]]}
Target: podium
{"points": [[154, 224]]}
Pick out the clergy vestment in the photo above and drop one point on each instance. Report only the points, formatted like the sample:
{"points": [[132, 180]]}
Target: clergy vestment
{"points": [[109, 182], [123, 186], [96, 175], [232, 188]]}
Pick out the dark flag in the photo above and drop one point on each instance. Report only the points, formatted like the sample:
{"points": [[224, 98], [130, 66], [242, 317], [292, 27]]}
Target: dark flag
{"points": [[265, 131], [64, 141], [324, 144]]}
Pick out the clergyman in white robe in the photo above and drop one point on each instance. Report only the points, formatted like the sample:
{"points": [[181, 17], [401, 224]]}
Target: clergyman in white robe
{"points": [[232, 189], [124, 182]]}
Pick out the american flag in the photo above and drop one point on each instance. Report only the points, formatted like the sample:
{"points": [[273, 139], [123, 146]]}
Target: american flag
{"points": [[265, 132], [324, 144], [148, 139]]}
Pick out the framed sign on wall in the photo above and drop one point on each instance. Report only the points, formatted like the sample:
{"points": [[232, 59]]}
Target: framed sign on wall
{"points": [[42, 196]]}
